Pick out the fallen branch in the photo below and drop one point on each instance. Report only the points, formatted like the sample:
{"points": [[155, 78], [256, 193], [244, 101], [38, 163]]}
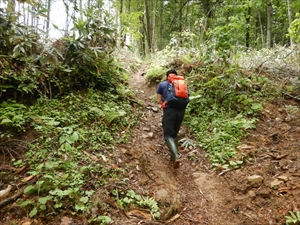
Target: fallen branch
{"points": [[19, 193], [278, 157], [225, 171], [173, 218], [203, 195], [12, 198], [291, 96], [20, 170], [286, 189]]}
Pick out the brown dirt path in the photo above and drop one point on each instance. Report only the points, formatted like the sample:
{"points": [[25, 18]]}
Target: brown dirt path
{"points": [[197, 194], [192, 194]]}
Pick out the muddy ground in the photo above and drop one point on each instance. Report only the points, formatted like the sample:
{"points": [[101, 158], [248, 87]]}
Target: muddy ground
{"points": [[262, 192]]}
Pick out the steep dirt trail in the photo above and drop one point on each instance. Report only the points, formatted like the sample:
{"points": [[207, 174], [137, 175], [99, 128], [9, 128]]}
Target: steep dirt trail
{"points": [[261, 192], [192, 194]]}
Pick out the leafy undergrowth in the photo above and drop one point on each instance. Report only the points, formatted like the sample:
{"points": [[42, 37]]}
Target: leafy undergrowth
{"points": [[73, 154]]}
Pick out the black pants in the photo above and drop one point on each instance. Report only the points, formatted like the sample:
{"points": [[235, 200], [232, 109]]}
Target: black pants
{"points": [[172, 119]]}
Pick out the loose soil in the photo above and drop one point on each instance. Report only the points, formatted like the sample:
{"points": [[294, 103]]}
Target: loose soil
{"points": [[262, 192]]}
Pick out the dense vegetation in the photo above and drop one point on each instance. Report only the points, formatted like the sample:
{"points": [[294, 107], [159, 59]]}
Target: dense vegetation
{"points": [[73, 93]]}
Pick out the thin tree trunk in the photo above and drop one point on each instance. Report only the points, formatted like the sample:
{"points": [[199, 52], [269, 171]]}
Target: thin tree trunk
{"points": [[261, 31], [148, 25], [121, 26], [161, 13], [153, 44], [180, 16], [269, 24], [290, 16], [247, 36]]}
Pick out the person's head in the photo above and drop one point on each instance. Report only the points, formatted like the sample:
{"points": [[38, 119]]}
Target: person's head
{"points": [[171, 72]]}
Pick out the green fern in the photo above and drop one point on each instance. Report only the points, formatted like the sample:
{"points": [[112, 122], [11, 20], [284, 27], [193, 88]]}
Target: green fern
{"points": [[112, 115], [293, 219]]}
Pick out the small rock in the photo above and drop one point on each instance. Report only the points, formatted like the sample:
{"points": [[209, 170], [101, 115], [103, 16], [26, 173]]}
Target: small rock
{"points": [[154, 109], [288, 119], [150, 134], [146, 128], [161, 194], [65, 221], [276, 182], [283, 178], [255, 180], [251, 194], [26, 223]]}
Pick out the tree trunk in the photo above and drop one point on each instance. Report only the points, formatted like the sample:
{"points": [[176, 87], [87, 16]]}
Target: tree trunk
{"points": [[180, 16], [290, 16], [121, 26], [269, 24], [161, 15], [261, 31], [153, 43], [142, 42], [247, 35], [148, 26]]}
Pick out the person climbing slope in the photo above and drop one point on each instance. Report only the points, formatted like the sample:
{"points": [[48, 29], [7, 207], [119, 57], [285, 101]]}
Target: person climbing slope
{"points": [[173, 95]]}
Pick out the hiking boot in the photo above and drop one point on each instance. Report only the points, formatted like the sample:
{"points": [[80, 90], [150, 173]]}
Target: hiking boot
{"points": [[171, 143], [176, 163]]}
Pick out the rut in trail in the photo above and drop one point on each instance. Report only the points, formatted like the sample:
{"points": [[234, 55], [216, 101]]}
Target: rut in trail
{"points": [[192, 194]]}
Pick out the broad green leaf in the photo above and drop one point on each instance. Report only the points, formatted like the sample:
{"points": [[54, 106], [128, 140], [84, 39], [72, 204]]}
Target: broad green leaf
{"points": [[33, 212], [45, 199], [257, 106], [68, 146], [28, 188], [26, 203], [84, 199], [62, 139], [58, 205]]}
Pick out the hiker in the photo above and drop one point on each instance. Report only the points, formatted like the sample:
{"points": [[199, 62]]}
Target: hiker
{"points": [[172, 118]]}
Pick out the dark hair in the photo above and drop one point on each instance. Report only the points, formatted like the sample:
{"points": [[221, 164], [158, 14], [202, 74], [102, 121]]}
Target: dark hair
{"points": [[171, 71]]}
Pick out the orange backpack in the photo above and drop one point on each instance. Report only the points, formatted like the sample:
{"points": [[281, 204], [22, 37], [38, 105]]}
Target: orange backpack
{"points": [[178, 92]]}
